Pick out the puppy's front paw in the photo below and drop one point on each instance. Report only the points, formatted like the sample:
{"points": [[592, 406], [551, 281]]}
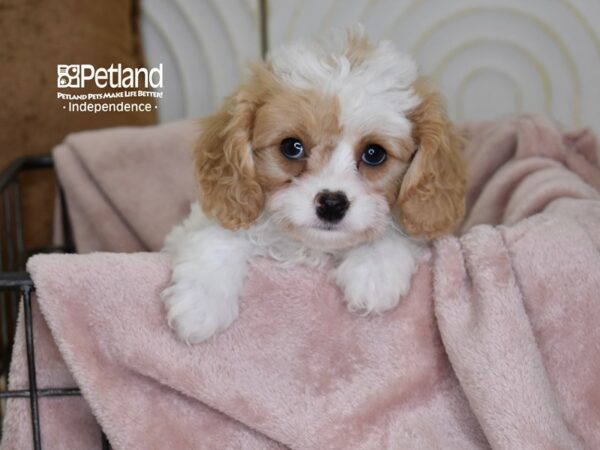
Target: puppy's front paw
{"points": [[371, 286], [195, 315]]}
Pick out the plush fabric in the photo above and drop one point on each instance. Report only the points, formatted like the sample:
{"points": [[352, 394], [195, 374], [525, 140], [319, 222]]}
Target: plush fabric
{"points": [[495, 346], [35, 36], [127, 187]]}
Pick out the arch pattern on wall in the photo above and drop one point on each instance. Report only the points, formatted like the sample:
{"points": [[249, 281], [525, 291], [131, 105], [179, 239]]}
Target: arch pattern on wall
{"points": [[203, 46], [489, 57]]}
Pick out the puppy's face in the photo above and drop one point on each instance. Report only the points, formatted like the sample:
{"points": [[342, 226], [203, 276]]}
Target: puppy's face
{"points": [[333, 143], [330, 176]]}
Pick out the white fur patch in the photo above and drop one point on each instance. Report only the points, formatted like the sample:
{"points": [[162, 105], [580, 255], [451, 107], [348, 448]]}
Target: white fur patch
{"points": [[374, 97], [209, 269], [376, 275], [368, 211]]}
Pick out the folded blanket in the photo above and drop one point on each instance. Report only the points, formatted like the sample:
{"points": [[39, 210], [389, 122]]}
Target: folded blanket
{"points": [[125, 187], [496, 344]]}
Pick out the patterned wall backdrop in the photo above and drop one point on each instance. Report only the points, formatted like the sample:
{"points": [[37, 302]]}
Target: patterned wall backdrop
{"points": [[203, 45], [489, 57]]}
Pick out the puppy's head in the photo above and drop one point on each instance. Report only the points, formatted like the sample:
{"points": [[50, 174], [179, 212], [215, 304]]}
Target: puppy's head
{"points": [[332, 142]]}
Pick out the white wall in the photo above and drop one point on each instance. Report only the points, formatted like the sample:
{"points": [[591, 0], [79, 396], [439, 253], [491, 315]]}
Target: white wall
{"points": [[203, 45], [489, 57]]}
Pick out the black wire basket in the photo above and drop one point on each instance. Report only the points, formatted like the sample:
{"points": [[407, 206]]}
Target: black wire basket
{"points": [[16, 286]]}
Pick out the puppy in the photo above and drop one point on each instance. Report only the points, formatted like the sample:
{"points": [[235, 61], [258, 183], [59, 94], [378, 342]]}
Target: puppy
{"points": [[334, 153]]}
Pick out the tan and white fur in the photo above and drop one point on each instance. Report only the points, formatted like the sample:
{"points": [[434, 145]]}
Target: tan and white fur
{"points": [[335, 101]]}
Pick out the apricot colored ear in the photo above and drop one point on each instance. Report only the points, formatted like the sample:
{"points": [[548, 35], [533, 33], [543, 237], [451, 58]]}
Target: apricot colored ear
{"points": [[431, 201], [224, 163]]}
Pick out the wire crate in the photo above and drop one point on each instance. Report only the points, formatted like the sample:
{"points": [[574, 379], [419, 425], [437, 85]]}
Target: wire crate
{"points": [[16, 286]]}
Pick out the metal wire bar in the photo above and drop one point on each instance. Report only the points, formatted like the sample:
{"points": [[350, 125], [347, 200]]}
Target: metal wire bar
{"points": [[33, 390], [19, 243], [67, 232], [51, 392], [24, 163], [12, 258], [8, 228], [5, 334], [13, 279]]}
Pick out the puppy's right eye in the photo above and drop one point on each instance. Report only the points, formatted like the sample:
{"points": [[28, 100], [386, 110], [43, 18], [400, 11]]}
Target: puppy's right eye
{"points": [[374, 155], [292, 148]]}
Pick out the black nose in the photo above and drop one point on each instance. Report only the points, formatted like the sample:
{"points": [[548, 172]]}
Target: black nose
{"points": [[331, 206]]}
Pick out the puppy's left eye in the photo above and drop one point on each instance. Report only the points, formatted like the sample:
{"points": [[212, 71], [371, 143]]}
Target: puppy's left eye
{"points": [[292, 148], [373, 155]]}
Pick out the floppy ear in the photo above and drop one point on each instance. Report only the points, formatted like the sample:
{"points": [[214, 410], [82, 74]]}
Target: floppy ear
{"points": [[431, 201], [224, 162]]}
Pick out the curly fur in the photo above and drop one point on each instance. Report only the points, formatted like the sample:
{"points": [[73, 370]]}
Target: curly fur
{"points": [[431, 202], [225, 168]]}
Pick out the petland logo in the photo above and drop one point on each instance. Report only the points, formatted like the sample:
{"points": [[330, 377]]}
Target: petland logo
{"points": [[77, 75], [110, 89]]}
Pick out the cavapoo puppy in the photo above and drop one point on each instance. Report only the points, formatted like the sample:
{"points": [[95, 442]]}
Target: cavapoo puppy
{"points": [[331, 152]]}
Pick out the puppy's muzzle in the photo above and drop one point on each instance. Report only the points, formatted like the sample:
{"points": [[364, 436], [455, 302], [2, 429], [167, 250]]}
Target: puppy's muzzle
{"points": [[331, 206]]}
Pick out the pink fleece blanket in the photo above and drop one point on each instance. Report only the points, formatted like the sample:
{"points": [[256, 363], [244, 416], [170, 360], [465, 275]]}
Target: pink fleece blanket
{"points": [[125, 187], [495, 346]]}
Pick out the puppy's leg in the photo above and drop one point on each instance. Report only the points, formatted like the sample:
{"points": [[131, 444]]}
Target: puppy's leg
{"points": [[375, 276], [209, 268]]}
